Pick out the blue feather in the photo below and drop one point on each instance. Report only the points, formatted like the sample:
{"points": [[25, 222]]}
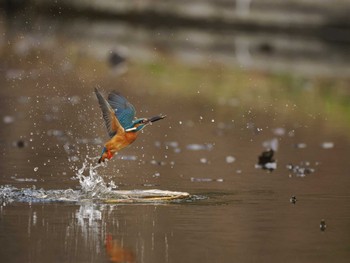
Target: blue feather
{"points": [[123, 109]]}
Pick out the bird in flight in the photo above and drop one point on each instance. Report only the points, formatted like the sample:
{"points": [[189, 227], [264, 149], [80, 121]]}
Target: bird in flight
{"points": [[123, 128]]}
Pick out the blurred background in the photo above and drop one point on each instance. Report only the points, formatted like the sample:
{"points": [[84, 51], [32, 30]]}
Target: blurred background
{"points": [[294, 36], [234, 77]]}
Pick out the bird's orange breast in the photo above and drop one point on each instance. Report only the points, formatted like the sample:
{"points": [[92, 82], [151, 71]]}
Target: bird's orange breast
{"points": [[130, 136], [121, 141]]}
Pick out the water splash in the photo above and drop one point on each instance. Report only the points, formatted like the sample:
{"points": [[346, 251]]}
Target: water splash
{"points": [[93, 185], [93, 188], [9, 194]]}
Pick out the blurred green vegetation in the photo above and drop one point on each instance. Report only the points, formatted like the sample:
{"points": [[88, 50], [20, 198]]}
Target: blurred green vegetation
{"points": [[283, 95], [286, 94]]}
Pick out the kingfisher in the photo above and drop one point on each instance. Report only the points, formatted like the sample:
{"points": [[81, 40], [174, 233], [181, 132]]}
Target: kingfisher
{"points": [[122, 126]]}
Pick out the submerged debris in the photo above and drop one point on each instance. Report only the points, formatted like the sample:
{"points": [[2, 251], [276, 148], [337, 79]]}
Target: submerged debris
{"points": [[300, 170], [266, 161]]}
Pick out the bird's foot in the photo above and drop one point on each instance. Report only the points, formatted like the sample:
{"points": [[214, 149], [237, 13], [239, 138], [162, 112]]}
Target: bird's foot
{"points": [[109, 154]]}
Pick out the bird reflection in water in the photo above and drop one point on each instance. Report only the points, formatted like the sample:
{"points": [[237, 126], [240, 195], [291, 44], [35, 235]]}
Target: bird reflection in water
{"points": [[117, 253]]}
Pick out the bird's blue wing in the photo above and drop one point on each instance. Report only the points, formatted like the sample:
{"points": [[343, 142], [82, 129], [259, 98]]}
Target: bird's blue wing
{"points": [[123, 109]]}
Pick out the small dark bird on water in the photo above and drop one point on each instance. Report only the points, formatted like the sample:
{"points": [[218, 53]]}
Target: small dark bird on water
{"points": [[266, 161], [293, 199], [115, 59], [123, 128]]}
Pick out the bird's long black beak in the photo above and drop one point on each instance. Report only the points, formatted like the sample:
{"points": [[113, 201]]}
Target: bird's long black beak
{"points": [[156, 118]]}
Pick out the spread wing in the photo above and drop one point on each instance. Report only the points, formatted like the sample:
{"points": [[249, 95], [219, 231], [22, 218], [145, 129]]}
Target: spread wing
{"points": [[123, 109], [111, 121]]}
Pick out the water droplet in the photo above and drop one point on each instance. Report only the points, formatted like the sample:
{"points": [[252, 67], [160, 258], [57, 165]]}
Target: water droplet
{"points": [[128, 157], [271, 144], [172, 144], [327, 145], [36, 169], [177, 150], [301, 145], [197, 147], [203, 160], [156, 174], [279, 131], [230, 159], [8, 119]]}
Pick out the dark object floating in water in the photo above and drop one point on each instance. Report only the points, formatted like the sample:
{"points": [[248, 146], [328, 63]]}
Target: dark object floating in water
{"points": [[323, 225], [266, 48], [293, 199], [115, 59], [20, 144], [266, 161], [300, 170]]}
